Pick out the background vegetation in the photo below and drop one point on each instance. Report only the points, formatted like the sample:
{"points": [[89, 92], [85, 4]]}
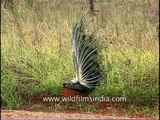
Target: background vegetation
{"points": [[37, 53]]}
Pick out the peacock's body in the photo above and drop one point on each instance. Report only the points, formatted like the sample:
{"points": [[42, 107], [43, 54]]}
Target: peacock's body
{"points": [[86, 61]]}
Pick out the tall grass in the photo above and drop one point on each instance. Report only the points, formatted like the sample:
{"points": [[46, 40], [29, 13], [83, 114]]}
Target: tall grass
{"points": [[37, 53]]}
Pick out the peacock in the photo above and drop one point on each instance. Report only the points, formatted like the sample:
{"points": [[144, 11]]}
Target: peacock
{"points": [[86, 62]]}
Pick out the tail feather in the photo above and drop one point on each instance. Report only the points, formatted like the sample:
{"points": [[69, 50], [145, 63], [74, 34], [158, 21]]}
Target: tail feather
{"points": [[85, 56]]}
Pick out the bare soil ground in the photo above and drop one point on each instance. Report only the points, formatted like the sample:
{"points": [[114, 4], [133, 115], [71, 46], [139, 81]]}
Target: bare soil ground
{"points": [[33, 115]]}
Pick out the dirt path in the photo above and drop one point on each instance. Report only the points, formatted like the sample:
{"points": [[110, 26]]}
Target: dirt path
{"points": [[29, 115]]}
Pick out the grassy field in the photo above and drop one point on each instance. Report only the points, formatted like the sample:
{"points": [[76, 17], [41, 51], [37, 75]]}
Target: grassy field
{"points": [[37, 52]]}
